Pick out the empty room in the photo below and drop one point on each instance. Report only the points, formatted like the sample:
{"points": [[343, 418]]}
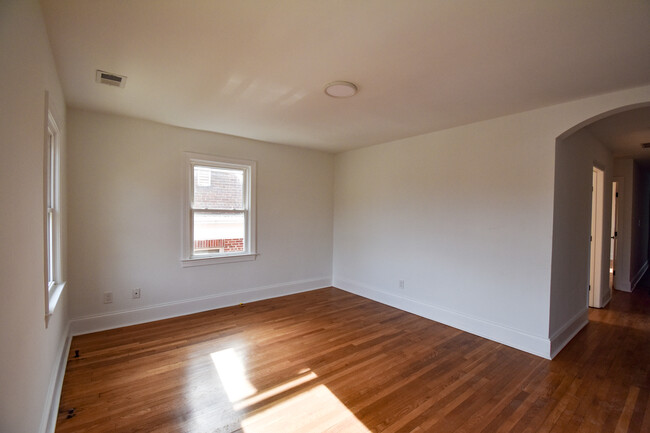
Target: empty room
{"points": [[324, 216]]}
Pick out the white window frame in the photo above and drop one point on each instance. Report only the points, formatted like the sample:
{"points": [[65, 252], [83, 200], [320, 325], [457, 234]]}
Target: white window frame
{"points": [[250, 247], [53, 278]]}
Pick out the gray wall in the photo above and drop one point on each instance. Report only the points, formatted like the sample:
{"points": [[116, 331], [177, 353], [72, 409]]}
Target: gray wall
{"points": [[633, 224], [30, 352], [575, 158], [126, 189]]}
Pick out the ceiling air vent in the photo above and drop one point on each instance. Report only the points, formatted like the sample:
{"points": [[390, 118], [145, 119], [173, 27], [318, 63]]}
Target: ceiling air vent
{"points": [[110, 78], [645, 145]]}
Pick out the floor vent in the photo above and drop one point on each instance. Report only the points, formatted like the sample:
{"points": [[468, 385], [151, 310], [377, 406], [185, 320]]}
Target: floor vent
{"points": [[110, 78]]}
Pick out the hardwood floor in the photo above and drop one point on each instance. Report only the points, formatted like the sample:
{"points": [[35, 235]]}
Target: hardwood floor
{"points": [[330, 361]]}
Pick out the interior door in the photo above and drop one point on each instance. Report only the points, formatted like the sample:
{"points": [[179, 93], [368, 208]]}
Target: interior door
{"points": [[592, 237], [614, 236]]}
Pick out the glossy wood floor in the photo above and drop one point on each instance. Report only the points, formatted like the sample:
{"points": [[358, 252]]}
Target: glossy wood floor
{"points": [[329, 361]]}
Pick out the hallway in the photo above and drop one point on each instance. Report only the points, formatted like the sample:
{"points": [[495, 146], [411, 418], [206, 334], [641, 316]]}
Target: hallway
{"points": [[610, 360]]}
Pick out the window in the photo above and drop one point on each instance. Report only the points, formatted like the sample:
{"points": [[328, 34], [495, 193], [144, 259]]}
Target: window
{"points": [[219, 210], [203, 176], [53, 281]]}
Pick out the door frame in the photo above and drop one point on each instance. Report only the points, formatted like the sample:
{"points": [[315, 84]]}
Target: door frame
{"points": [[617, 189], [596, 238]]}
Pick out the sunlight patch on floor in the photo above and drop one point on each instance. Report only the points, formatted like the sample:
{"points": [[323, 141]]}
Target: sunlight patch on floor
{"points": [[294, 412], [308, 411], [274, 391], [232, 374]]}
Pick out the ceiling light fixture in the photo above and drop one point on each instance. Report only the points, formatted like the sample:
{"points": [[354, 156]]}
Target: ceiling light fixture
{"points": [[341, 89]]}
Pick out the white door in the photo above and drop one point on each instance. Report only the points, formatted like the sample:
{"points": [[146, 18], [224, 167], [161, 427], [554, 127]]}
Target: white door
{"points": [[592, 237], [613, 237], [596, 238]]}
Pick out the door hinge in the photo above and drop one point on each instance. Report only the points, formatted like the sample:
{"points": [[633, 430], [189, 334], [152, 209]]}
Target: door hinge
{"points": [[616, 194], [589, 287], [590, 238], [614, 272], [615, 234]]}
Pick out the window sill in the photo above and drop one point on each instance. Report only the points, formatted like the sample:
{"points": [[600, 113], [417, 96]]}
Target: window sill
{"points": [[55, 295], [188, 263]]}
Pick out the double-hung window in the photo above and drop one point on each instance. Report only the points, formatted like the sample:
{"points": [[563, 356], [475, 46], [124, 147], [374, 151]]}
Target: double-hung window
{"points": [[219, 210], [53, 280]]}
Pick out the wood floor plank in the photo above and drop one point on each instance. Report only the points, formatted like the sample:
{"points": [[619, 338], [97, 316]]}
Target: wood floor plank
{"points": [[329, 361]]}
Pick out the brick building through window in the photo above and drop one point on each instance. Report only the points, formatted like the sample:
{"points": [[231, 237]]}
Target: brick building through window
{"points": [[218, 201]]}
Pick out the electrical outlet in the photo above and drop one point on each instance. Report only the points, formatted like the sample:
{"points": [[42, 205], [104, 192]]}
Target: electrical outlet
{"points": [[108, 297], [401, 284], [136, 293]]}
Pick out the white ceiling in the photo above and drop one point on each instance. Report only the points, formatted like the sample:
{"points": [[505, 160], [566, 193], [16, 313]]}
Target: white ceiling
{"points": [[623, 133], [256, 68]]}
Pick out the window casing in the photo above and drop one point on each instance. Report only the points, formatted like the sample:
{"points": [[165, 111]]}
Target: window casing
{"points": [[218, 210], [52, 185]]}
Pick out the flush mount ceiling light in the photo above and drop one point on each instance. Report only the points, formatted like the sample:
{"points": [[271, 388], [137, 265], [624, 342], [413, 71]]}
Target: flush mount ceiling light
{"points": [[341, 89]]}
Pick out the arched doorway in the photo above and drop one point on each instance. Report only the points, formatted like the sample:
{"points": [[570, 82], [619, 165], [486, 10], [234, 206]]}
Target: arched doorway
{"points": [[607, 145]]}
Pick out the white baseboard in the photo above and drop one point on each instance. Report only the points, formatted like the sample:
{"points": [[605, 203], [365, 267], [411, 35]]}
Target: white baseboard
{"points": [[118, 319], [638, 276], [604, 303], [539, 346], [48, 419], [569, 330], [623, 286]]}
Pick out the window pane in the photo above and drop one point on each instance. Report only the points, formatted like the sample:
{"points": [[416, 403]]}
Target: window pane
{"points": [[51, 170], [218, 188], [50, 246], [219, 232]]}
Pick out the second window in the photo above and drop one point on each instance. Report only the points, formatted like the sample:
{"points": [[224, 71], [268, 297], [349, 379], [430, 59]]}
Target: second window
{"points": [[220, 212]]}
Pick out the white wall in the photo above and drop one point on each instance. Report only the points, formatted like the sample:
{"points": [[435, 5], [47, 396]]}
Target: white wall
{"points": [[624, 168], [465, 218], [634, 224], [30, 352], [125, 179], [639, 225], [575, 158]]}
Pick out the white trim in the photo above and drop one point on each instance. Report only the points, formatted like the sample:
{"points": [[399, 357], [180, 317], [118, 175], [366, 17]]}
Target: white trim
{"points": [[512, 337], [52, 213], [54, 294], [623, 286], [596, 244], [117, 319], [569, 330], [53, 397], [638, 276], [232, 258], [606, 301]]}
